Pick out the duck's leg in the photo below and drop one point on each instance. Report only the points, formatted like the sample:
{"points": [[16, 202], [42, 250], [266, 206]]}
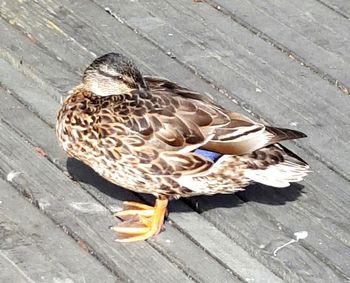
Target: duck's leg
{"points": [[141, 221]]}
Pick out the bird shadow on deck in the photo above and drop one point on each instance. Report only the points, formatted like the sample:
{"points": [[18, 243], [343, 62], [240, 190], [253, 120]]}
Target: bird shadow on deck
{"points": [[253, 193]]}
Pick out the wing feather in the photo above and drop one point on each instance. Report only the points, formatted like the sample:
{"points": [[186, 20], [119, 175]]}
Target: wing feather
{"points": [[175, 121]]}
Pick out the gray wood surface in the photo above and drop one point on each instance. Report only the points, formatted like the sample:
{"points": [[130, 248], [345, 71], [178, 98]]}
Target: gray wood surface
{"points": [[34, 249], [285, 63], [318, 36], [340, 6], [80, 215]]}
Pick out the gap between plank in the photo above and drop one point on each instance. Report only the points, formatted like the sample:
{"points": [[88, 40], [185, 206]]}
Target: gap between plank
{"points": [[20, 271], [285, 230], [212, 255], [334, 9], [343, 88]]}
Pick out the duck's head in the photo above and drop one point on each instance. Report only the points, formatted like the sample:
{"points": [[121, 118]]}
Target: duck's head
{"points": [[112, 74]]}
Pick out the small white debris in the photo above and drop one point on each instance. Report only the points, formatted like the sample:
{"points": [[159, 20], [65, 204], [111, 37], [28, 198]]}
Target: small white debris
{"points": [[246, 109], [43, 204], [293, 124], [88, 207], [170, 54], [109, 11], [258, 89], [298, 236], [168, 241], [301, 235], [62, 280], [170, 34], [13, 174]]}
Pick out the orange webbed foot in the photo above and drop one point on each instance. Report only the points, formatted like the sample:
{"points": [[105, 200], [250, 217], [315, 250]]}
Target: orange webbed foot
{"points": [[140, 221]]}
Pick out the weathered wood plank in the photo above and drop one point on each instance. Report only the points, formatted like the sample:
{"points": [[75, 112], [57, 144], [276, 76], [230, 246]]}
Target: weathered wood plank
{"points": [[340, 6], [26, 232], [10, 272], [307, 29], [247, 224], [155, 63], [79, 214], [147, 57], [46, 145]]}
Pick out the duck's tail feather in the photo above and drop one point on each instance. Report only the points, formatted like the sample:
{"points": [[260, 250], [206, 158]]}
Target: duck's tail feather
{"points": [[281, 134], [276, 166]]}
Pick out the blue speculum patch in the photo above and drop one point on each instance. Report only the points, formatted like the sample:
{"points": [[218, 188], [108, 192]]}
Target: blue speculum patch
{"points": [[212, 155]]}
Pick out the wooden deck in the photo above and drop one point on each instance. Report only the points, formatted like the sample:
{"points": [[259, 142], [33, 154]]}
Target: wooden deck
{"points": [[282, 62]]}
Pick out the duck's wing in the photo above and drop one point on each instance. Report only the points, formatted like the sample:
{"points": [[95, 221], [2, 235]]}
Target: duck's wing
{"points": [[157, 130], [164, 124], [240, 136]]}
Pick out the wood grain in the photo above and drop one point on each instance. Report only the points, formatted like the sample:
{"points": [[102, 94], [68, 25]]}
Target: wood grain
{"points": [[34, 249]]}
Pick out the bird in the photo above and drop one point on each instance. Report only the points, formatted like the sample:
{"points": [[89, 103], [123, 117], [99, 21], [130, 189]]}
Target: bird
{"points": [[151, 135]]}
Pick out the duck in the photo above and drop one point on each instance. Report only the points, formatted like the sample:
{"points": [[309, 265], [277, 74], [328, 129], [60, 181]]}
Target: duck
{"points": [[151, 135]]}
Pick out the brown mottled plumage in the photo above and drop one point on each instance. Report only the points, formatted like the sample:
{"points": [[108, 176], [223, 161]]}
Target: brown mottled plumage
{"points": [[141, 132]]}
